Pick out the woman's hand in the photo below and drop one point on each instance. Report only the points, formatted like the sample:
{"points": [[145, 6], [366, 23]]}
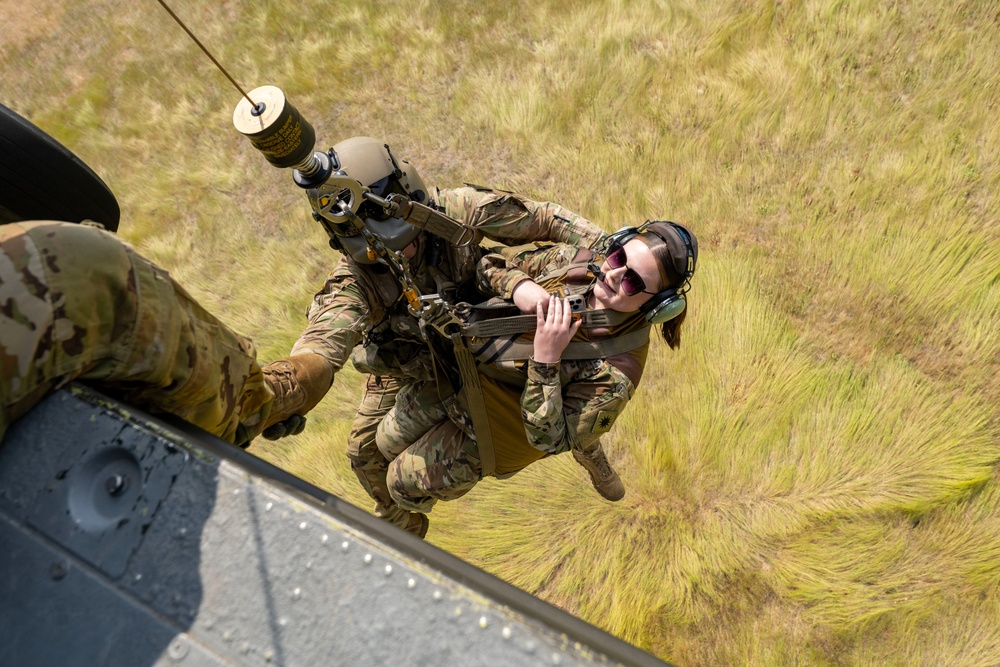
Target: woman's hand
{"points": [[528, 294], [554, 330]]}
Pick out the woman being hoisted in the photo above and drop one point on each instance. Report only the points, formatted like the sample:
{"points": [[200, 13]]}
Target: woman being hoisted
{"points": [[559, 387]]}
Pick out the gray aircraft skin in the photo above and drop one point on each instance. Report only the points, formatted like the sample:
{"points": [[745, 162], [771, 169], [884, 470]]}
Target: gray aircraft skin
{"points": [[129, 540], [132, 540]]}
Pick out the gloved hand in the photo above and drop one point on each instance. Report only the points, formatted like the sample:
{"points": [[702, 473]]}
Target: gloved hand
{"points": [[290, 426], [298, 383]]}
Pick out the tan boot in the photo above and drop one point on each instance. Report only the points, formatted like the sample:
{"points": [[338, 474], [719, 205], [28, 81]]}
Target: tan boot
{"points": [[417, 524], [414, 523], [602, 475], [299, 383]]}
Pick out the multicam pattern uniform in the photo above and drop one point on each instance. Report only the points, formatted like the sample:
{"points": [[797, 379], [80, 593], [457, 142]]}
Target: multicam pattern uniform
{"points": [[565, 405], [77, 303], [361, 304]]}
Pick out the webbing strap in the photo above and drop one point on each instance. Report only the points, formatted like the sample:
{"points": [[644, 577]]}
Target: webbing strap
{"points": [[506, 349], [609, 347], [516, 324], [475, 402], [439, 224]]}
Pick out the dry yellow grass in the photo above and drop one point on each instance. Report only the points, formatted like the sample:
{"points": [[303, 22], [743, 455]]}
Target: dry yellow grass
{"points": [[812, 478]]}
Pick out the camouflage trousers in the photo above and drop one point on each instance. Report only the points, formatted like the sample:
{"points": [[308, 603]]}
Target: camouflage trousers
{"points": [[433, 453], [77, 303], [410, 449], [408, 467]]}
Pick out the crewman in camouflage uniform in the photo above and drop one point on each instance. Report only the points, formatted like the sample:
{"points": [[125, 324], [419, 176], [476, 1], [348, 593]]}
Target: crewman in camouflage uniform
{"points": [[563, 405], [78, 303], [361, 310]]}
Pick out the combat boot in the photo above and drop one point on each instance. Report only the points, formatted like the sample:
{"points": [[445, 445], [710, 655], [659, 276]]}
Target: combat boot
{"points": [[602, 475], [298, 383], [415, 523]]}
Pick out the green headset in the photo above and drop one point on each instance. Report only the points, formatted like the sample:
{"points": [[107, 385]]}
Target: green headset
{"points": [[669, 303]]}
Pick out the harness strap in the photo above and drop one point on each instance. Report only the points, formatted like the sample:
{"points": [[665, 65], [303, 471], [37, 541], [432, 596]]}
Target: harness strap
{"points": [[502, 350], [517, 324], [435, 222], [476, 403], [435, 312]]}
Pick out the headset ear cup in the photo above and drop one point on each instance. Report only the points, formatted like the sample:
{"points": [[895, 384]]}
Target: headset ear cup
{"points": [[667, 309]]}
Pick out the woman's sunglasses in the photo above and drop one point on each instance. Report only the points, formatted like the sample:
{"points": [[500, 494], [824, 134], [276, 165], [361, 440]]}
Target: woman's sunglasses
{"points": [[632, 283]]}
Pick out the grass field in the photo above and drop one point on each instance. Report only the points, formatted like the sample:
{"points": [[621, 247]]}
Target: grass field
{"points": [[812, 478]]}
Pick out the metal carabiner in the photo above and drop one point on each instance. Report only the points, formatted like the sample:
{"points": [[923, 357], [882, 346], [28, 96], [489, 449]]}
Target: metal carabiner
{"points": [[338, 193]]}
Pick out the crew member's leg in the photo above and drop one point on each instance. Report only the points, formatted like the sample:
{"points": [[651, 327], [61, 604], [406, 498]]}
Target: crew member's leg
{"points": [[76, 302], [443, 465], [369, 464], [418, 408]]}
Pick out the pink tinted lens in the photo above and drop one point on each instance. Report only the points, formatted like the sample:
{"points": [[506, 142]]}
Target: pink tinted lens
{"points": [[616, 258], [632, 283]]}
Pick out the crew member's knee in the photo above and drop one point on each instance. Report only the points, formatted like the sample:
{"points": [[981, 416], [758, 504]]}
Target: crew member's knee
{"points": [[416, 486], [408, 488], [390, 438], [417, 410]]}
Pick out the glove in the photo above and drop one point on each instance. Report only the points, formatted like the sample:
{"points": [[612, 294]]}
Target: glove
{"points": [[291, 426]]}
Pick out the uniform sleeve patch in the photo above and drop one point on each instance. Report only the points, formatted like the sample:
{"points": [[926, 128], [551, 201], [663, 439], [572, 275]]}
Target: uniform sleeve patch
{"points": [[605, 420]]}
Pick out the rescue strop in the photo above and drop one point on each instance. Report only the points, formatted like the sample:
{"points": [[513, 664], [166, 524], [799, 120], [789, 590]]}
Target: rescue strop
{"points": [[486, 343]]}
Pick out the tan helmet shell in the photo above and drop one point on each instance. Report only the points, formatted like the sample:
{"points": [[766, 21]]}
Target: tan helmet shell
{"points": [[366, 160], [369, 161]]}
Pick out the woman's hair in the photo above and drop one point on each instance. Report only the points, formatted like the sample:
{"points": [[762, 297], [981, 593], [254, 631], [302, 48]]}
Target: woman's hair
{"points": [[671, 329], [670, 253]]}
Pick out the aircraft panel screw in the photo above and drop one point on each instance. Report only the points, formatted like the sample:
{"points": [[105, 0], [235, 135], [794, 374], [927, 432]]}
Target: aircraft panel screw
{"points": [[57, 571], [178, 649]]}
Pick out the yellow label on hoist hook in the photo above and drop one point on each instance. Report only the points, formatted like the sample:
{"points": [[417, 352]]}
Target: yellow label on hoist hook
{"points": [[412, 298]]}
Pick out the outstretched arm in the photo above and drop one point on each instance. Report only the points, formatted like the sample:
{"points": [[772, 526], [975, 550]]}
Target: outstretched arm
{"points": [[512, 219], [338, 317]]}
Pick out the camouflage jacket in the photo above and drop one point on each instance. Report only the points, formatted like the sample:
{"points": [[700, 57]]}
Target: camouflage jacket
{"points": [[566, 405], [360, 308]]}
